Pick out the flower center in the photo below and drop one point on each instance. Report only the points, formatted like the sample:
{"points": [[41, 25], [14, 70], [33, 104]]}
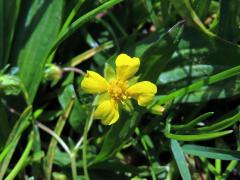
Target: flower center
{"points": [[117, 90]]}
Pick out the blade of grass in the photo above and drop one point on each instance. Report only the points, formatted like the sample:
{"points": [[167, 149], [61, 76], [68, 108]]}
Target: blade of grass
{"points": [[192, 123], [197, 137], [180, 159], [199, 84], [90, 53], [23, 159], [82, 20], [218, 165], [213, 153], [221, 125], [14, 137]]}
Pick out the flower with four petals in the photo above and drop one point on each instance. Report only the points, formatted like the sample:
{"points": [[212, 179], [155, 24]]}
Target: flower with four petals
{"points": [[118, 89]]}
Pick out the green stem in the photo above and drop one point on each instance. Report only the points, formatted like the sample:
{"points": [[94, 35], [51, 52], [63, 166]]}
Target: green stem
{"points": [[218, 169], [22, 161], [73, 166], [16, 133], [233, 163], [71, 154], [145, 146], [85, 141], [229, 168], [71, 15], [58, 130], [210, 167]]}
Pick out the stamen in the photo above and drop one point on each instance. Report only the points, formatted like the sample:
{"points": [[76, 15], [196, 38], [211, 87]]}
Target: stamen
{"points": [[117, 90]]}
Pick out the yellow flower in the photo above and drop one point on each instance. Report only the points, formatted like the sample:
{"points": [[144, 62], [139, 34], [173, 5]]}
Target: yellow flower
{"points": [[118, 89]]}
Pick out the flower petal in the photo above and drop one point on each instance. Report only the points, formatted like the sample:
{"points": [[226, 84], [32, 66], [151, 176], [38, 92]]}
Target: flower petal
{"points": [[107, 111], [143, 92], [100, 98], [94, 83], [126, 66]]}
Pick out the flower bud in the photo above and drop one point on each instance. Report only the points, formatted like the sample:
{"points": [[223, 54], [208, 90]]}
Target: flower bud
{"points": [[52, 73], [157, 109]]}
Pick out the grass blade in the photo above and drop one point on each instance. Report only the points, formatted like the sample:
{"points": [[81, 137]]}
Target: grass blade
{"points": [[212, 153], [197, 137], [180, 159]]}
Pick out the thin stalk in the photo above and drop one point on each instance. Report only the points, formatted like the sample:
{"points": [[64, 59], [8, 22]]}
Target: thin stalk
{"points": [[90, 53], [145, 146], [71, 155], [85, 141], [229, 168], [218, 169], [232, 165], [73, 69], [79, 143], [73, 166], [15, 135], [52, 133], [210, 167], [23, 160], [58, 130]]}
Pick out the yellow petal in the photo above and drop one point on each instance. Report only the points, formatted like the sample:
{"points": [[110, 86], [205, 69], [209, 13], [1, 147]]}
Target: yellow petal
{"points": [[101, 98], [94, 83], [143, 92], [107, 111], [126, 66]]}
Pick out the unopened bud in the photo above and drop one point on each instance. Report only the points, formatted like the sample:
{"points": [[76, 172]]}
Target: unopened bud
{"points": [[157, 109], [52, 73]]}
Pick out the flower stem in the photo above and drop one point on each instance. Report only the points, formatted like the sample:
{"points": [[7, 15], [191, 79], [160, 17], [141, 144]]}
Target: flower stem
{"points": [[53, 143], [22, 161], [85, 141], [73, 166]]}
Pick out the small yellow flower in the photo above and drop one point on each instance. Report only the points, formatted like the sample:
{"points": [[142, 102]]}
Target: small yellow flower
{"points": [[118, 89]]}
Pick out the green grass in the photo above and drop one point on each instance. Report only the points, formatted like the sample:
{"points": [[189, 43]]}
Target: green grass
{"points": [[188, 48]]}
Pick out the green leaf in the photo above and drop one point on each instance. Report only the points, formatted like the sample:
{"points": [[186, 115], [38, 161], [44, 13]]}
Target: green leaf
{"points": [[221, 125], [10, 85], [185, 10], [209, 152], [199, 84], [11, 144], [1, 34], [82, 20], [11, 12], [192, 123], [156, 57], [180, 159], [201, 8], [39, 26], [228, 20], [197, 137], [78, 114], [5, 125], [61, 158], [117, 135]]}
